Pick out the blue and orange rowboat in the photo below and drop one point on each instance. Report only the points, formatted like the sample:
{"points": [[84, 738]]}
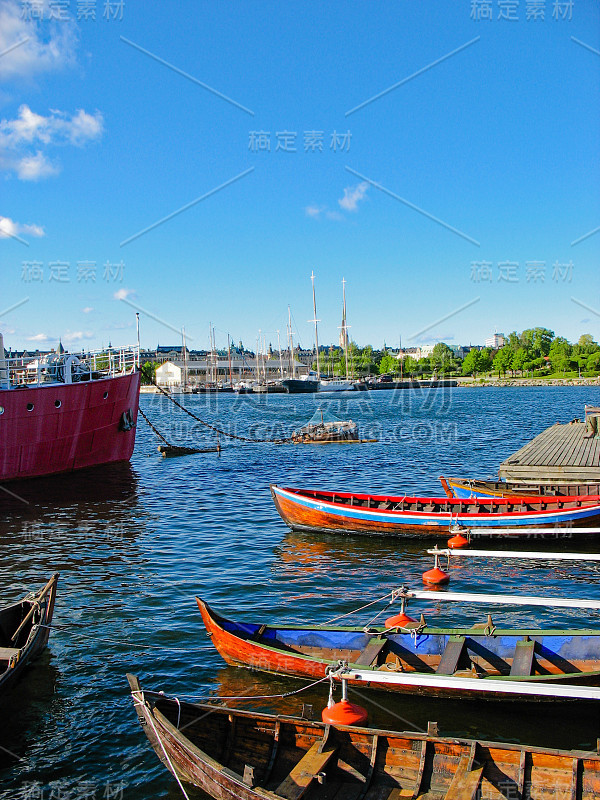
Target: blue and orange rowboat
{"points": [[387, 515], [466, 487]]}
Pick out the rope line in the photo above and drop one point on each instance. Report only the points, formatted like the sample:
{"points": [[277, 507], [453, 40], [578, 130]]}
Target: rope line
{"points": [[220, 430], [160, 436]]}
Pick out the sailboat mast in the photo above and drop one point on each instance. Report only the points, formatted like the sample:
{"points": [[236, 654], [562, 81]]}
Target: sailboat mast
{"points": [[229, 360], [315, 320], [257, 355], [184, 358], [344, 325], [215, 357], [291, 343], [280, 356]]}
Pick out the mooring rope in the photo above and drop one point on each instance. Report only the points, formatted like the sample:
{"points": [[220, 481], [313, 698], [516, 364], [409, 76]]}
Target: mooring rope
{"points": [[283, 440], [160, 436]]}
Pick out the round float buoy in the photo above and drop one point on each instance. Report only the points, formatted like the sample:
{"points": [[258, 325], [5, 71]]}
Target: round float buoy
{"points": [[436, 576], [344, 712], [398, 621], [458, 540]]}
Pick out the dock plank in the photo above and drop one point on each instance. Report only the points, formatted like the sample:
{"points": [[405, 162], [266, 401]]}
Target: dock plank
{"points": [[560, 452]]}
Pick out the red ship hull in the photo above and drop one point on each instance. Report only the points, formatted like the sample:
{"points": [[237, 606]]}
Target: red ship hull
{"points": [[63, 427]]}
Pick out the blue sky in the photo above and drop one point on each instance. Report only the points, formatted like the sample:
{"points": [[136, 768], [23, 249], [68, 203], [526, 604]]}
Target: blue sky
{"points": [[461, 188]]}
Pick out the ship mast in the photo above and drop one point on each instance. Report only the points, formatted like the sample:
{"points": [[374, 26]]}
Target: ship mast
{"points": [[291, 343], [184, 359], [315, 320], [344, 325], [280, 356]]}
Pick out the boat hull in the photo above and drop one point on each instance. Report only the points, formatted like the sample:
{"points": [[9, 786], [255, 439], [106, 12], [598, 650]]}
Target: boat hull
{"points": [[343, 512], [36, 640], [272, 651], [297, 386], [465, 489], [84, 430], [241, 755]]}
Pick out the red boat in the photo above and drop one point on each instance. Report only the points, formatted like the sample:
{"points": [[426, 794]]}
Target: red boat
{"points": [[65, 412]]}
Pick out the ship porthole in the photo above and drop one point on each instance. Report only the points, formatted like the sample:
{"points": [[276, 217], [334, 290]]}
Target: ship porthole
{"points": [[105, 396], [1, 409], [29, 406], [57, 403]]}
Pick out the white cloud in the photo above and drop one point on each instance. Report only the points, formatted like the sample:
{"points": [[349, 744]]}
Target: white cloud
{"points": [[334, 215], [87, 310], [9, 227], [77, 336], [313, 211], [32, 168], [352, 196], [22, 139], [32, 47], [57, 128], [40, 337], [123, 294]]}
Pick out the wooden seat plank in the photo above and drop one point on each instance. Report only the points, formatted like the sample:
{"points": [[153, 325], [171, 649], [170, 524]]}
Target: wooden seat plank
{"points": [[523, 659], [451, 655], [465, 783], [371, 652], [298, 782], [6, 653]]}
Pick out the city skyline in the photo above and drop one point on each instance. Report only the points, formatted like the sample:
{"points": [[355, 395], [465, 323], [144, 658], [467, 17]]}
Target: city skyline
{"points": [[447, 169]]}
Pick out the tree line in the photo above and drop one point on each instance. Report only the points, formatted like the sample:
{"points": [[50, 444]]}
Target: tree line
{"points": [[535, 352]]}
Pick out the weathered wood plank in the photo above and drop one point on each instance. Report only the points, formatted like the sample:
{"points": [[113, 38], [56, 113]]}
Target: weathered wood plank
{"points": [[451, 655], [559, 452], [303, 774], [371, 652], [465, 783], [523, 660]]}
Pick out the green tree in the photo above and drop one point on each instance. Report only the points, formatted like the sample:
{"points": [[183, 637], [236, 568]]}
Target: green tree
{"points": [[484, 362], [560, 354], [409, 366], [389, 363], [502, 360], [148, 372], [470, 365], [442, 358], [519, 359]]}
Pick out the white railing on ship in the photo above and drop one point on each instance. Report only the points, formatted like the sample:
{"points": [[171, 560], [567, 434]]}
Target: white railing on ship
{"points": [[90, 365]]}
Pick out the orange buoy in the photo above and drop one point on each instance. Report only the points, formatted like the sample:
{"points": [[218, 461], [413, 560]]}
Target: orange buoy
{"points": [[436, 576], [398, 621], [458, 540], [344, 712]]}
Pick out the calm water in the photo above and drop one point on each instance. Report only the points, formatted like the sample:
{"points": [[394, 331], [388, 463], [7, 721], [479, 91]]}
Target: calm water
{"points": [[134, 545]]}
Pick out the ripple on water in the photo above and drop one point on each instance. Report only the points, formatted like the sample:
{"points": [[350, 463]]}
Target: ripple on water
{"points": [[134, 545]]}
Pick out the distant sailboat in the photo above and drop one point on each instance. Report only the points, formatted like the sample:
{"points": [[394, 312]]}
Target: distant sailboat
{"points": [[340, 384], [294, 385]]}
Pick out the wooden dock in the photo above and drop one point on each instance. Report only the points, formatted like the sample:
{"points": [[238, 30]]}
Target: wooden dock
{"points": [[568, 452]]}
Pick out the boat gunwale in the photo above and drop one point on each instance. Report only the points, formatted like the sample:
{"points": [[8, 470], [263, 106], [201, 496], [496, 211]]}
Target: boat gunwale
{"points": [[592, 755], [580, 676]]}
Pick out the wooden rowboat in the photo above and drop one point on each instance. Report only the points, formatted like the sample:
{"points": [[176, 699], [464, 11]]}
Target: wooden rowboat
{"points": [[241, 755], [387, 515], [24, 631], [395, 656], [466, 488]]}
